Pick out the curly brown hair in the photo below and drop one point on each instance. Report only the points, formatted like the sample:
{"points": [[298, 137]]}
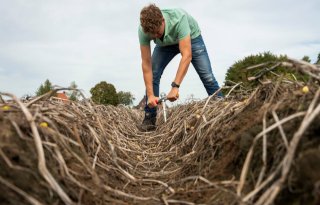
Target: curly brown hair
{"points": [[151, 18]]}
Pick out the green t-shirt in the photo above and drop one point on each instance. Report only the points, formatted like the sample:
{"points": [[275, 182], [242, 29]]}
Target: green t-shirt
{"points": [[178, 24]]}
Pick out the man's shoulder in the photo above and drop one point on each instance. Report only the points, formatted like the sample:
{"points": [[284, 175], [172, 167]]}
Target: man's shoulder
{"points": [[174, 15], [177, 11], [144, 39]]}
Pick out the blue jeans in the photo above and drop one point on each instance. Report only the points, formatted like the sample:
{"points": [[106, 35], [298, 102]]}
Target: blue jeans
{"points": [[161, 56]]}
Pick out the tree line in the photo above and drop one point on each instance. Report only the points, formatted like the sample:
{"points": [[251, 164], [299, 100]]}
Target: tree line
{"points": [[102, 93]]}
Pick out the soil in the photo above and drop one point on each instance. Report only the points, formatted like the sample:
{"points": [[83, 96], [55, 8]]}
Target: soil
{"points": [[93, 152]]}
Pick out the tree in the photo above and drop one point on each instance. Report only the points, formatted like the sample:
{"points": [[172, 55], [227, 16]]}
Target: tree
{"points": [[125, 98], [306, 58], [318, 60], [104, 93], [44, 88], [238, 72], [73, 94]]}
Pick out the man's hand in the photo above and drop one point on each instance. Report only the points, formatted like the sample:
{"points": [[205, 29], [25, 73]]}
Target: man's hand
{"points": [[173, 94], [152, 101]]}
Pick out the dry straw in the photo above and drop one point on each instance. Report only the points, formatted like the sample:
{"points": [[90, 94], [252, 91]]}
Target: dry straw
{"points": [[215, 151]]}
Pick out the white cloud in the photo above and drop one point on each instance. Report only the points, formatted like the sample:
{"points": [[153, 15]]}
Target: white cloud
{"points": [[88, 42]]}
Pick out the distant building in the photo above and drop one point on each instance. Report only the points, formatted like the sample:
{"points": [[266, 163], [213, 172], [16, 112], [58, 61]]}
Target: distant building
{"points": [[62, 97]]}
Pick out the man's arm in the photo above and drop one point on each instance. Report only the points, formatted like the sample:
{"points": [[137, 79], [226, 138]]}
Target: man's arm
{"points": [[186, 53], [147, 74]]}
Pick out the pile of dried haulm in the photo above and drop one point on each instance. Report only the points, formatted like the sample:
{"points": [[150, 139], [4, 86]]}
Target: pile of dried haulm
{"points": [[253, 147]]}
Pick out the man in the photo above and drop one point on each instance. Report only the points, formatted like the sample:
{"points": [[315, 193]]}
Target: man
{"points": [[173, 31]]}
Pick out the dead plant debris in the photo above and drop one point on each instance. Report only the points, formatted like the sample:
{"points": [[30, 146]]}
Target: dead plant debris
{"points": [[260, 148]]}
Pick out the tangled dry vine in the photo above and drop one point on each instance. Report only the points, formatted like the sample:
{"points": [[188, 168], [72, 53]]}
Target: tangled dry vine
{"points": [[247, 150]]}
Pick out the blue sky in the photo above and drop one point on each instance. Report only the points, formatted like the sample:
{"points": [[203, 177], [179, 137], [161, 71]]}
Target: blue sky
{"points": [[92, 41]]}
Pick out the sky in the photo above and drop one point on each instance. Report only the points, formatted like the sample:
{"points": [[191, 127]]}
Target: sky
{"points": [[93, 41]]}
